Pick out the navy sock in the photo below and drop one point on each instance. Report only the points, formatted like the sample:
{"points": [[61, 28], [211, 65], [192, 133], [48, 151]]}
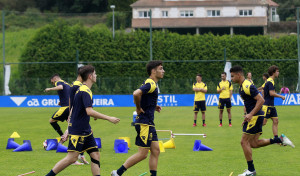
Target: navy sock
{"points": [[152, 172], [203, 121], [195, 121], [121, 170], [276, 136], [51, 173], [275, 140], [229, 121], [57, 128], [250, 166], [220, 121]]}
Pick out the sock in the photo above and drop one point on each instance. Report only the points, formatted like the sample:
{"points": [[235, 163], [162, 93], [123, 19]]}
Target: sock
{"points": [[152, 172], [276, 136], [81, 154], [57, 128], [203, 121], [275, 140], [250, 166], [220, 121], [121, 170], [229, 121], [51, 173], [195, 121]]}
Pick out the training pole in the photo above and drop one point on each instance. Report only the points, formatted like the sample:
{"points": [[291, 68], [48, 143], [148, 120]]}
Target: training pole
{"points": [[181, 134], [27, 173]]}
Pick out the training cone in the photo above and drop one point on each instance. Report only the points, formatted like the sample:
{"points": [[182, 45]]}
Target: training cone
{"points": [[61, 148], [14, 135], [122, 147], [204, 148], [170, 144], [117, 142], [161, 146], [126, 139], [26, 146], [197, 145], [11, 144], [98, 142], [51, 144]]}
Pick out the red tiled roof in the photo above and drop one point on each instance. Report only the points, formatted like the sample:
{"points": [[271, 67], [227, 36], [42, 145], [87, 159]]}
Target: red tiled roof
{"points": [[184, 3], [272, 3], [200, 22]]}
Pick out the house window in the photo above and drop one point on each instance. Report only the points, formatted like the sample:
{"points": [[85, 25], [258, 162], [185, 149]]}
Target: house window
{"points": [[144, 14], [186, 13], [245, 12], [213, 13], [273, 14], [164, 13]]}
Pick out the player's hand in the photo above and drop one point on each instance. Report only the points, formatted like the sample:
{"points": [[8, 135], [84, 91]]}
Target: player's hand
{"points": [[64, 137], [248, 117], [244, 122], [47, 89], [158, 108], [114, 120], [139, 111], [283, 97], [223, 88]]}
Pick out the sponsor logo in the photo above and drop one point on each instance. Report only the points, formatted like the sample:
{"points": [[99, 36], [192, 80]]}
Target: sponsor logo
{"points": [[18, 100], [103, 102]]}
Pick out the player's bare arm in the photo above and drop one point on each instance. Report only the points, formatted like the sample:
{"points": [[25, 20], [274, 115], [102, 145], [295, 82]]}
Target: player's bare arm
{"points": [[91, 112], [137, 94], [59, 87], [273, 94], [259, 102]]}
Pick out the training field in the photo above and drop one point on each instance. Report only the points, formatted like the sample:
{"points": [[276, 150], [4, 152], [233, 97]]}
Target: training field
{"points": [[227, 155]]}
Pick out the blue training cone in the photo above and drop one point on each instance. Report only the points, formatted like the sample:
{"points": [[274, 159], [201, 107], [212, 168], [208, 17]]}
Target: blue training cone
{"points": [[51, 144], [26, 146], [204, 148], [61, 148], [117, 142], [11, 144], [122, 147], [197, 145], [98, 142]]}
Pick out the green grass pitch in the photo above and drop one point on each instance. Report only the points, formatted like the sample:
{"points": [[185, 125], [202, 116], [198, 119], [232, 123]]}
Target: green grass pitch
{"points": [[227, 155]]}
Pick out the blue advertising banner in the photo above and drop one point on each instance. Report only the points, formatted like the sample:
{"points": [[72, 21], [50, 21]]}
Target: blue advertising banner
{"points": [[127, 100]]}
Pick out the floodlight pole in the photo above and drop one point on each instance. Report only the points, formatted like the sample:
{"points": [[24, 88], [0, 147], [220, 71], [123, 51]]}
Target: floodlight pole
{"points": [[298, 44], [113, 21], [3, 46]]}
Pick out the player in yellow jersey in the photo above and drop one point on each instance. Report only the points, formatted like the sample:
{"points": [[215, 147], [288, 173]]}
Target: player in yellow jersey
{"points": [[249, 77], [265, 76], [224, 88], [200, 89]]}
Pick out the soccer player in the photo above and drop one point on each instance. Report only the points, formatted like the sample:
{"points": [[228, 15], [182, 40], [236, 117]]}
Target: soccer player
{"points": [[224, 88], [252, 124], [249, 77], [145, 99], [81, 137], [200, 89], [269, 94], [63, 90], [265, 77]]}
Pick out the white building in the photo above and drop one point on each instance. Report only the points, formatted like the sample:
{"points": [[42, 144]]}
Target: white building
{"points": [[201, 16]]}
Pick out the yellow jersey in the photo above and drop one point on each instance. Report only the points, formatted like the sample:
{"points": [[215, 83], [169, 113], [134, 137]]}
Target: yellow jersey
{"points": [[228, 87], [199, 96]]}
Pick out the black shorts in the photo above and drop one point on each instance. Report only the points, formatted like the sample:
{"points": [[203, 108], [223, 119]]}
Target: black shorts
{"points": [[82, 144], [270, 112], [62, 114], [145, 135], [254, 126], [199, 105], [223, 102]]}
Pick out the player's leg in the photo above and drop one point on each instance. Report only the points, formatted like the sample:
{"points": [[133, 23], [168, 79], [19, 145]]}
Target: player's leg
{"points": [[60, 115], [65, 162], [275, 126], [247, 150], [195, 118], [95, 162], [203, 109], [228, 107], [196, 110], [221, 108], [153, 159]]}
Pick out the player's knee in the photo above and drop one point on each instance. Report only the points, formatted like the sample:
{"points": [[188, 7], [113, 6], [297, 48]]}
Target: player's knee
{"points": [[275, 121], [72, 159], [155, 151]]}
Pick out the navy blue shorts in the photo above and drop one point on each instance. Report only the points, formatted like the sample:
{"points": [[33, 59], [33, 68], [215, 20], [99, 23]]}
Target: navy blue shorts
{"points": [[254, 126], [270, 111], [223, 102], [145, 135], [82, 144], [199, 105], [62, 114]]}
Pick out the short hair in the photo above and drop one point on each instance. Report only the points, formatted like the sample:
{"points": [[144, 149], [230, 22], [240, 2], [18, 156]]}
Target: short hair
{"points": [[237, 69], [85, 71], [55, 75], [248, 73], [224, 73], [79, 69], [266, 75], [153, 64], [199, 75], [272, 69]]}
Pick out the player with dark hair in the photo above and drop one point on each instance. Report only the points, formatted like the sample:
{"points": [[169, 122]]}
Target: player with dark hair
{"points": [[252, 124], [200, 89], [224, 88], [81, 137], [249, 77], [63, 90], [265, 76], [145, 99]]}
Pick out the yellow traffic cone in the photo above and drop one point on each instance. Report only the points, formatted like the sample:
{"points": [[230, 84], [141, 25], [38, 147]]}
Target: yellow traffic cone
{"points": [[14, 135], [170, 144]]}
